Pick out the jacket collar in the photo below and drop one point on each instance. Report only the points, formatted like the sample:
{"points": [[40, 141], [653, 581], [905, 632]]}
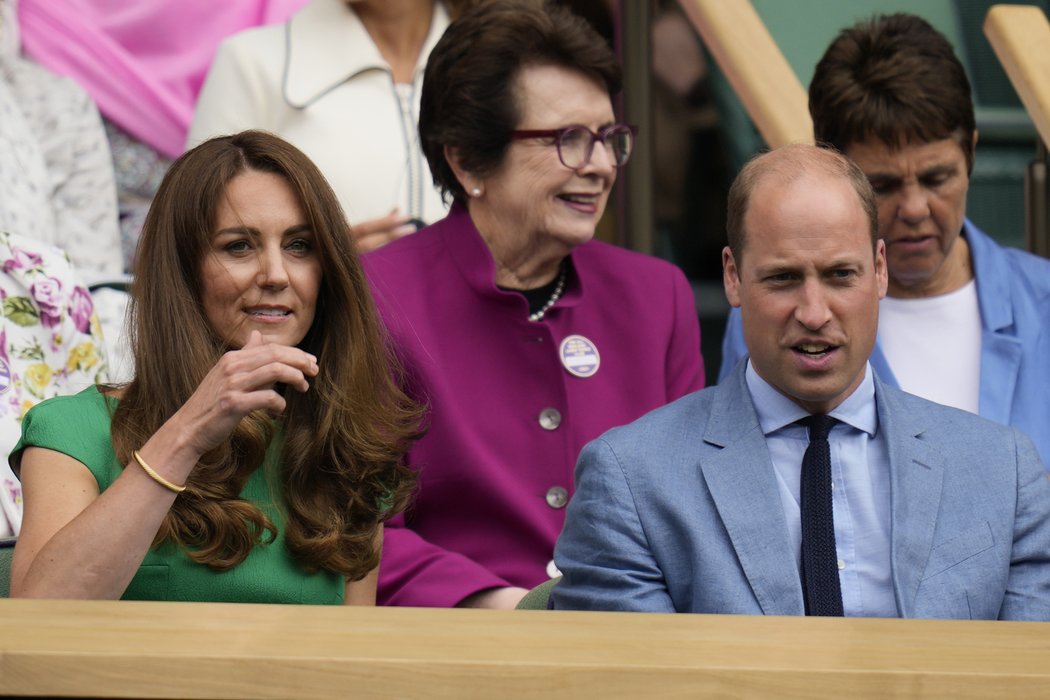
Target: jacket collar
{"points": [[328, 45], [1002, 351], [474, 260], [992, 275]]}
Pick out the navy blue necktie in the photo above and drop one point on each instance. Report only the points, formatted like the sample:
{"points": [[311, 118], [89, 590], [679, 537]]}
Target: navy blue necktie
{"points": [[820, 571]]}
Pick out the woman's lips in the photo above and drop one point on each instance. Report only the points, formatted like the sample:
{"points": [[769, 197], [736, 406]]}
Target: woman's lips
{"points": [[268, 314], [587, 203]]}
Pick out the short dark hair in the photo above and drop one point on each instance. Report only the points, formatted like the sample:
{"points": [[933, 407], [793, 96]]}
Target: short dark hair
{"points": [[469, 99], [790, 163], [894, 78]]}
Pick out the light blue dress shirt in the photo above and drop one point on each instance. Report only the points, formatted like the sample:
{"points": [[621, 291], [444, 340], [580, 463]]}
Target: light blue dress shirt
{"points": [[860, 488]]}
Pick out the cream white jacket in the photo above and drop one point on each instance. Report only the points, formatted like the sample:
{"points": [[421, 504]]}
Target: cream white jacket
{"points": [[319, 82]]}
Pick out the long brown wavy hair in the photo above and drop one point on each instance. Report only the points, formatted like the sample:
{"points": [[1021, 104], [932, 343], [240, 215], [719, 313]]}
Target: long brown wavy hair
{"points": [[341, 463]]}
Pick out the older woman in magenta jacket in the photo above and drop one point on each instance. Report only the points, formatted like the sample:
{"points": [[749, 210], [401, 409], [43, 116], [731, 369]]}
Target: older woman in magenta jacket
{"points": [[526, 338]]}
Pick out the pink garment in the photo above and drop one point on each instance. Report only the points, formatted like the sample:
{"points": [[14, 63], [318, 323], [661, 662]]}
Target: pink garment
{"points": [[143, 61]]}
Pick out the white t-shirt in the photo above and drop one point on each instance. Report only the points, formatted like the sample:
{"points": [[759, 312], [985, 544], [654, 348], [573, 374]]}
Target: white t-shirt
{"points": [[933, 345]]}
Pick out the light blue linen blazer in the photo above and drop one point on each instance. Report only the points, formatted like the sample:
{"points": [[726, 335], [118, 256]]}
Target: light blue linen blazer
{"points": [[679, 511]]}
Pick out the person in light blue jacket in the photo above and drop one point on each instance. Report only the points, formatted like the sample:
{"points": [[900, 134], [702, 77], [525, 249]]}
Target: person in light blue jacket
{"points": [[965, 321]]}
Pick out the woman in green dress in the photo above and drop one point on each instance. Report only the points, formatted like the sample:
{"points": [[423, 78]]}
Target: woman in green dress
{"points": [[257, 452]]}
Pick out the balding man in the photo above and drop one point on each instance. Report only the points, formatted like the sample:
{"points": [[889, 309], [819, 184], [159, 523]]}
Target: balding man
{"points": [[802, 484]]}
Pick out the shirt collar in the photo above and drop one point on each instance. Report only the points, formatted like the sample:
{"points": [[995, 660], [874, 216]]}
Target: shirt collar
{"points": [[776, 411], [327, 45]]}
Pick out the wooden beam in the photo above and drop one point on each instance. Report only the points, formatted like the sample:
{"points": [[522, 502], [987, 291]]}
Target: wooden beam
{"points": [[1020, 36], [210, 650], [756, 68]]}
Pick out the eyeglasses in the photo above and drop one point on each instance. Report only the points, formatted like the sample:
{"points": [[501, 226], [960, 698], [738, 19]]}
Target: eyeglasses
{"points": [[576, 143]]}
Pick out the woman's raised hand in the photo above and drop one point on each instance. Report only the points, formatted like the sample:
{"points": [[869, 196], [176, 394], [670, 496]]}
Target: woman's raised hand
{"points": [[242, 381]]}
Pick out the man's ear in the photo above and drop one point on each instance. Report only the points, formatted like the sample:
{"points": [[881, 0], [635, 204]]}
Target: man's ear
{"points": [[731, 277], [466, 180], [882, 271]]}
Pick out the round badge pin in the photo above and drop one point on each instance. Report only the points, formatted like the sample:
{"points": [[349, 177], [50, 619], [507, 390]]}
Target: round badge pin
{"points": [[5, 376], [579, 356]]}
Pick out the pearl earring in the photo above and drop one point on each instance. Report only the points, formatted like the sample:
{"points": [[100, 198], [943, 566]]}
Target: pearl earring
{"points": [[476, 192]]}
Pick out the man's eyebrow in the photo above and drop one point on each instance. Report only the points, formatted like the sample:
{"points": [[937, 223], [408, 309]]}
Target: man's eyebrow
{"points": [[774, 268], [939, 169], [839, 263], [935, 169]]}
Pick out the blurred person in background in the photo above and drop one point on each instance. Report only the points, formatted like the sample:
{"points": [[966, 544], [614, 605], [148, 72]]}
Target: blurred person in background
{"points": [[56, 176], [50, 345], [340, 80]]}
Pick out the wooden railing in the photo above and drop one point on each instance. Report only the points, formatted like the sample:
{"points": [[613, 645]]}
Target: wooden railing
{"points": [[196, 650], [1020, 36], [755, 67]]}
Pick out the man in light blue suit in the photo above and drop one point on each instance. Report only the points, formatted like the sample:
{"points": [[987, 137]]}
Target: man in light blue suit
{"points": [[966, 321], [696, 506]]}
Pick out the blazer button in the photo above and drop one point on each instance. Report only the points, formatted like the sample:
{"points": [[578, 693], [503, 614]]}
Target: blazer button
{"points": [[557, 496], [550, 419]]}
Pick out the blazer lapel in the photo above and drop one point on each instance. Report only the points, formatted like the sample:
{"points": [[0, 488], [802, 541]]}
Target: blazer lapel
{"points": [[741, 480], [916, 474], [1000, 365], [1001, 350]]}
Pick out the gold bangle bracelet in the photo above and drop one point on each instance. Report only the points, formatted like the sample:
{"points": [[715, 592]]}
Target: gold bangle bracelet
{"points": [[155, 476]]}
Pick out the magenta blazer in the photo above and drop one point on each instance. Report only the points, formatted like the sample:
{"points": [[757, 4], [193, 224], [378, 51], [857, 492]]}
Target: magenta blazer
{"points": [[507, 419]]}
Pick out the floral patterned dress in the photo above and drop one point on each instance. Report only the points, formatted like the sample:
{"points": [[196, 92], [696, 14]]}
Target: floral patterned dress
{"points": [[50, 344]]}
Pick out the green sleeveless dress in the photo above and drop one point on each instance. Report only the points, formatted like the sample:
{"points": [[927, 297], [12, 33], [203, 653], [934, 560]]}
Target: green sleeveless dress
{"points": [[79, 426]]}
